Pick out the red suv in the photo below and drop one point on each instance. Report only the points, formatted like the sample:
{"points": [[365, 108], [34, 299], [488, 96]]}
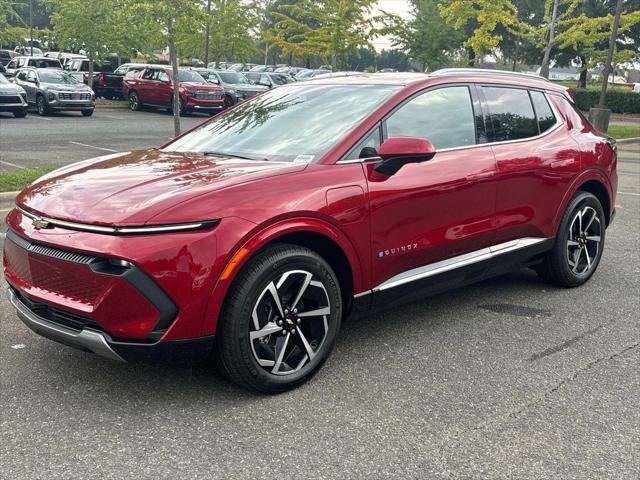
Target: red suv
{"points": [[153, 87], [250, 238]]}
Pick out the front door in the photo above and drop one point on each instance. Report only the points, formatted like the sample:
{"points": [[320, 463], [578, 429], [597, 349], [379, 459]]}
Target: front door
{"points": [[442, 208]]}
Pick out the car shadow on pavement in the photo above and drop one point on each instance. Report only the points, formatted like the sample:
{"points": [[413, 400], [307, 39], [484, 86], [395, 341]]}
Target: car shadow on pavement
{"points": [[94, 378]]}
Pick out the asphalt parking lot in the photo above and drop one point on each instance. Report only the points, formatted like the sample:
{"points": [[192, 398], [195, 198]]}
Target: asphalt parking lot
{"points": [[509, 378]]}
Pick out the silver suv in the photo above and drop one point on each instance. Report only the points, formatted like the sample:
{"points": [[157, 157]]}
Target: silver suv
{"points": [[51, 89], [17, 63]]}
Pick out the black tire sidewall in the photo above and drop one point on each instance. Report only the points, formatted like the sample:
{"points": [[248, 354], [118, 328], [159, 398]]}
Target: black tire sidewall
{"points": [[133, 95], [41, 106], [236, 316], [580, 200]]}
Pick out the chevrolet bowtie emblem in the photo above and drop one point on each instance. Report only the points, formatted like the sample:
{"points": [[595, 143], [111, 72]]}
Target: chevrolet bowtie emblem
{"points": [[39, 224]]}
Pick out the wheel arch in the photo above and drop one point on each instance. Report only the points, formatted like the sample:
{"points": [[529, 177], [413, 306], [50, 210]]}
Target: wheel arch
{"points": [[322, 237], [594, 182]]}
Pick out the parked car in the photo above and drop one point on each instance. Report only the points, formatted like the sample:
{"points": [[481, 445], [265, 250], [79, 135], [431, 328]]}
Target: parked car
{"points": [[307, 74], [79, 68], [5, 57], [50, 89], [153, 87], [28, 51], [13, 98], [253, 236], [263, 68], [108, 84], [17, 63], [269, 80], [66, 58], [236, 86]]}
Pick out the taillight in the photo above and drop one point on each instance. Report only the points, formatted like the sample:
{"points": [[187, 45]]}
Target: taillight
{"points": [[85, 78], [101, 79], [570, 93]]}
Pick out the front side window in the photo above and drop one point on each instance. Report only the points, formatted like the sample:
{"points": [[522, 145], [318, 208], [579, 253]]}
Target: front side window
{"points": [[293, 123], [367, 147], [545, 116], [511, 113], [163, 77], [22, 75], [443, 116], [31, 77]]}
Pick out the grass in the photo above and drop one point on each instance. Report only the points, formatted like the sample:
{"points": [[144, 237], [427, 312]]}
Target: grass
{"points": [[18, 179], [624, 131]]}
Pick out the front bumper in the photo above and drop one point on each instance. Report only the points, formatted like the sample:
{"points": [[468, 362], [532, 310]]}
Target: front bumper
{"points": [[12, 103], [94, 341], [58, 103]]}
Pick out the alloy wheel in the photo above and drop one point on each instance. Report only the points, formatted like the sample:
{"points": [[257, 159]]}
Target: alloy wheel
{"points": [[289, 322], [133, 101], [583, 242], [41, 106]]}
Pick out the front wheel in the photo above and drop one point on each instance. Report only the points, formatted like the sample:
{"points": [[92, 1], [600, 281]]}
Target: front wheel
{"points": [[579, 243], [87, 112], [280, 319], [20, 113], [42, 107]]}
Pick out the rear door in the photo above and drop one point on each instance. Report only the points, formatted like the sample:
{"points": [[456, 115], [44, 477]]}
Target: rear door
{"points": [[164, 88], [536, 160], [442, 208]]}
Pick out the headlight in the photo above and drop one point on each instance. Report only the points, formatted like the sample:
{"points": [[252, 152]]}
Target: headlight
{"points": [[51, 96], [188, 91], [21, 90]]}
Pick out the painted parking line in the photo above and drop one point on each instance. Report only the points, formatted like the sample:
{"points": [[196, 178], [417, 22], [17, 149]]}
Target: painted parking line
{"points": [[629, 193], [93, 146], [9, 164], [40, 118], [110, 117]]}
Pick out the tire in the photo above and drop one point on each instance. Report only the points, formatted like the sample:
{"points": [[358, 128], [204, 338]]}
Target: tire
{"points": [[42, 107], [250, 310], [134, 101], [20, 113], [579, 243], [88, 112], [228, 102]]}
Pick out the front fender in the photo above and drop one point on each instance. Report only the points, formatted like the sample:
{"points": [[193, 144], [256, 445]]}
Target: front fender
{"points": [[260, 237]]}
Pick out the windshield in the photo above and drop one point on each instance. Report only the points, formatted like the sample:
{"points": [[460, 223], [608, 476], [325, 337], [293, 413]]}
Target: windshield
{"points": [[293, 123], [232, 77], [190, 76], [279, 79], [3, 79], [61, 77]]}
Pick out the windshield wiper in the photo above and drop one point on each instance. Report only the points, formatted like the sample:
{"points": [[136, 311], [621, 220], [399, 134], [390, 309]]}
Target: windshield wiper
{"points": [[230, 155]]}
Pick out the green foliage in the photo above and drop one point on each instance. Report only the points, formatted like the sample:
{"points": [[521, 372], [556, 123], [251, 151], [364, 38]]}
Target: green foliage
{"points": [[624, 131], [19, 179], [618, 100], [426, 38], [330, 29]]}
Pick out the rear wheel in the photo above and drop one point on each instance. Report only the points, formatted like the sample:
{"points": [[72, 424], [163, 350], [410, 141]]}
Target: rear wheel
{"points": [[228, 102], [134, 101], [280, 320], [579, 243]]}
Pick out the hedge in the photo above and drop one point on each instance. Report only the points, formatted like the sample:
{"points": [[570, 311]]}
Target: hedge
{"points": [[618, 100]]}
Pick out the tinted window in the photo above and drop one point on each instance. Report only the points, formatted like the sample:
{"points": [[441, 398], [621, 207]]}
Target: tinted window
{"points": [[546, 119], [148, 74], [44, 63], [511, 113], [443, 116], [22, 75]]}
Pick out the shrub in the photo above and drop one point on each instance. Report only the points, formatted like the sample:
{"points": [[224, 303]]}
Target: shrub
{"points": [[618, 100]]}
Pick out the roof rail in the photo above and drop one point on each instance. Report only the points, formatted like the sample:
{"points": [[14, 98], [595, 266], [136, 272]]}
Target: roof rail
{"points": [[485, 72]]}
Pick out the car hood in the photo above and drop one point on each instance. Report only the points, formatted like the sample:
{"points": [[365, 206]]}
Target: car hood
{"points": [[248, 87], [11, 88], [199, 86], [63, 87], [131, 188]]}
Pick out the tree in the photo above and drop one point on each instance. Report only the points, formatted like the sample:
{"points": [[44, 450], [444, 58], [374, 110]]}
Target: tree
{"points": [[87, 24], [485, 17], [330, 29], [426, 38]]}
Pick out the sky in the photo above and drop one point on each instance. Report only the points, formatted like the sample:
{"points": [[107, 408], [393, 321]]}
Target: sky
{"points": [[399, 7]]}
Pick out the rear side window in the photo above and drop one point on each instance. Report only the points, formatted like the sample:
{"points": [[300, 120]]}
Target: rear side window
{"points": [[511, 113], [443, 116], [545, 116]]}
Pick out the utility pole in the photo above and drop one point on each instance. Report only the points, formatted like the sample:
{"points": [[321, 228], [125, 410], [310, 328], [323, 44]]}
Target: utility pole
{"points": [[31, 25], [207, 34], [600, 114], [544, 69]]}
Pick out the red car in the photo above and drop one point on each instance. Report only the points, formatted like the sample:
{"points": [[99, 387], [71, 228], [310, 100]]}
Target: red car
{"points": [[252, 237], [153, 87]]}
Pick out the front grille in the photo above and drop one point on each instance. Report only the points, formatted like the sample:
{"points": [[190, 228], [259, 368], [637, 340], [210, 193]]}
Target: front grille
{"points": [[55, 315], [208, 96], [49, 251], [74, 96], [10, 99]]}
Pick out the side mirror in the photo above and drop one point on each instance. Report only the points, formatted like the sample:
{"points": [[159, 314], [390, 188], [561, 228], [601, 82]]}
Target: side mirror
{"points": [[399, 151]]}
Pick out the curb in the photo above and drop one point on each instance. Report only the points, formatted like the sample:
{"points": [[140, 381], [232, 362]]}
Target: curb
{"points": [[7, 200], [625, 141]]}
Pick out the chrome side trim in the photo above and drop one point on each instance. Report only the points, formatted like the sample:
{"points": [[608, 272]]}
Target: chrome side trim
{"points": [[86, 339], [84, 227], [457, 262], [362, 294]]}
